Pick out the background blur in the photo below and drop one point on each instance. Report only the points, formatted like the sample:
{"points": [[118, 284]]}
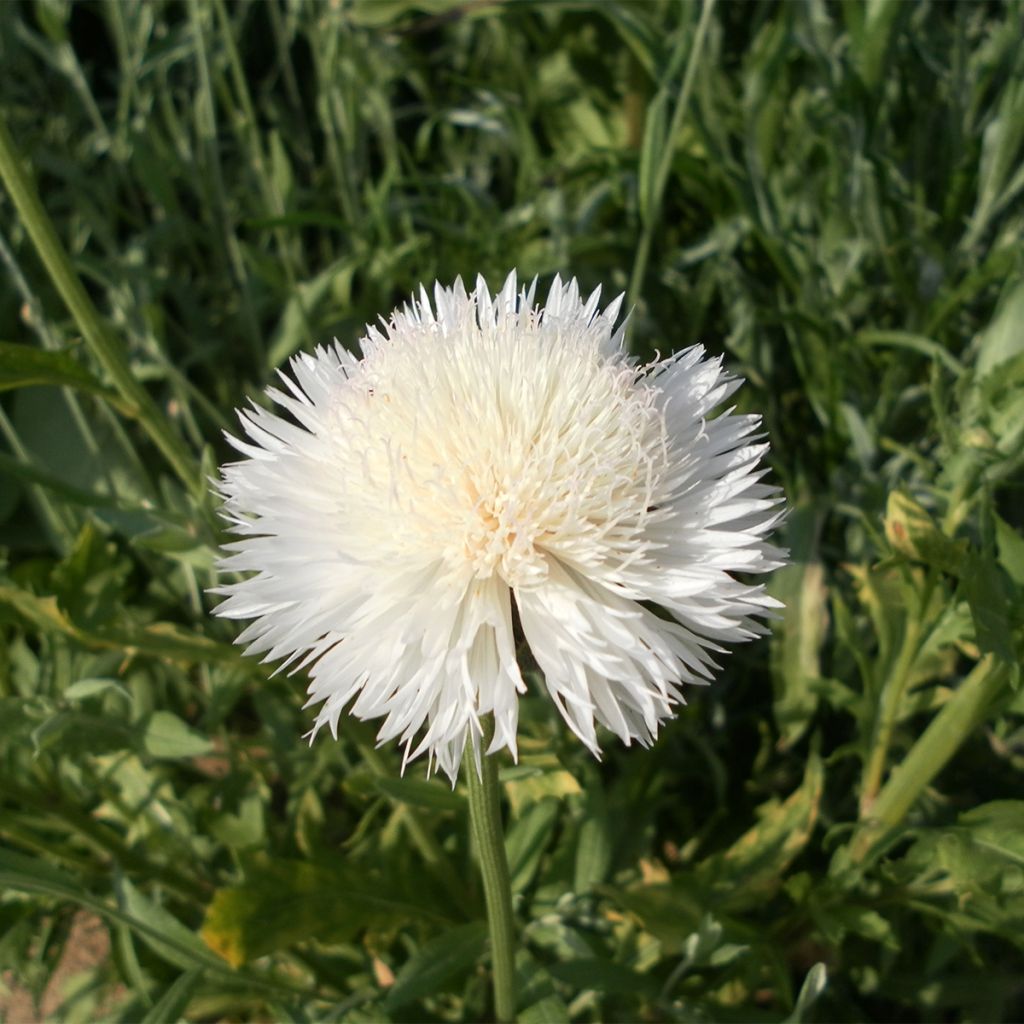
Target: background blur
{"points": [[830, 194]]}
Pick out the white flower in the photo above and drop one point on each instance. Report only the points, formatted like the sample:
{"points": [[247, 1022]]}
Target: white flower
{"points": [[487, 458]]}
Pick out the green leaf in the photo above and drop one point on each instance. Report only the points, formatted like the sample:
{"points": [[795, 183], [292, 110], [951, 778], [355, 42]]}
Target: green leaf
{"points": [[1011, 550], [594, 843], [1000, 144], [1003, 339], [871, 42], [159, 929], [989, 596], [165, 935], [602, 975], [32, 874], [814, 984], [24, 366], [245, 829], [797, 643], [652, 152], [86, 688], [911, 342], [85, 448], [998, 827], [293, 328], [435, 964], [527, 839], [158, 639], [971, 872], [426, 793], [167, 736], [172, 1004], [549, 1010]]}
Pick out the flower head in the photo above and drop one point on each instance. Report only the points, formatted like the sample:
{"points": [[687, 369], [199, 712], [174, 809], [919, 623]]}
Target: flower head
{"points": [[486, 459]]}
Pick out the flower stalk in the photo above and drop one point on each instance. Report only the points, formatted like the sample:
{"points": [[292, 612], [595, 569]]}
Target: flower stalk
{"points": [[489, 840]]}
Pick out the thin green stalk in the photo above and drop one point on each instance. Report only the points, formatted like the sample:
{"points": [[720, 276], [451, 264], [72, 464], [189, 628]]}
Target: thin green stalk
{"points": [[959, 717], [892, 696], [653, 219], [101, 342], [485, 823]]}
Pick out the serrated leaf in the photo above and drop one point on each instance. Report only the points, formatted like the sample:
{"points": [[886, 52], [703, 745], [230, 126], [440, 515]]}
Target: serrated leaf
{"points": [[972, 871]]}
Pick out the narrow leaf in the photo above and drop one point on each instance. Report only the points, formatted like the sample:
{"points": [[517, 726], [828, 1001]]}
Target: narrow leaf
{"points": [[24, 366], [434, 965]]}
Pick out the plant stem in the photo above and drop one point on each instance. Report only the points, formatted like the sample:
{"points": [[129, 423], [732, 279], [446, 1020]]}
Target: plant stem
{"points": [[959, 717], [101, 342], [891, 699], [485, 823]]}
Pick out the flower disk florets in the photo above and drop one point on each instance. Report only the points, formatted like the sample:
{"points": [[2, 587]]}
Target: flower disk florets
{"points": [[487, 457]]}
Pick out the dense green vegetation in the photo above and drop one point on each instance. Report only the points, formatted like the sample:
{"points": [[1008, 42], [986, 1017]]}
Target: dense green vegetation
{"points": [[830, 194]]}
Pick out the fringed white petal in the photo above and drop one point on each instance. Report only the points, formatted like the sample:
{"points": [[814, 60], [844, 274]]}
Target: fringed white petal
{"points": [[483, 451]]}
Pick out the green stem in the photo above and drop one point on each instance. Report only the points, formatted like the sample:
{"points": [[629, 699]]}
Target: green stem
{"points": [[891, 699], [101, 342], [959, 717], [485, 822]]}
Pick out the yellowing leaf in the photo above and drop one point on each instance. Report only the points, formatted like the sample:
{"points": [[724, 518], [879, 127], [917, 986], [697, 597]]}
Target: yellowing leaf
{"points": [[754, 865], [913, 533], [290, 901]]}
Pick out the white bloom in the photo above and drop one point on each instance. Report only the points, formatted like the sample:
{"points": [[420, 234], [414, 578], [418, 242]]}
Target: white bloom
{"points": [[486, 457]]}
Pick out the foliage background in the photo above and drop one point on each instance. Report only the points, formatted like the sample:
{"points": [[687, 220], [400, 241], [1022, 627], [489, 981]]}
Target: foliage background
{"points": [[830, 194]]}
